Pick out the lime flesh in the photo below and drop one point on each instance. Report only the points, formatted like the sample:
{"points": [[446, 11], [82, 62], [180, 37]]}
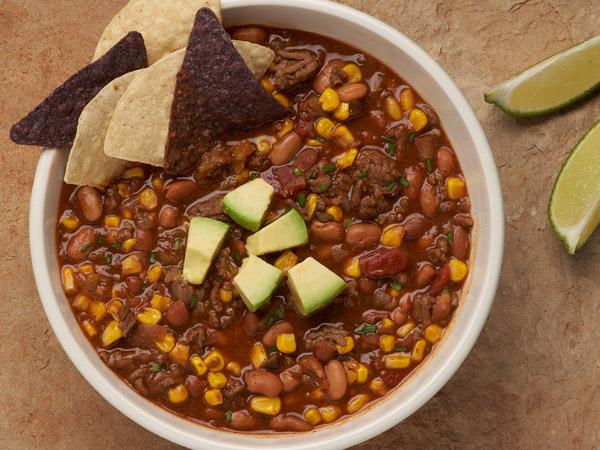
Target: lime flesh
{"points": [[551, 84], [574, 208]]}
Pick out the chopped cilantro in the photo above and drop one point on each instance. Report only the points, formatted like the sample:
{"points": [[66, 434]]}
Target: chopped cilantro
{"points": [[328, 168], [322, 187], [429, 165], [279, 313], [194, 301], [302, 199], [392, 149], [297, 172], [397, 286], [403, 181], [388, 139], [86, 246], [450, 236], [100, 239], [310, 174], [271, 321], [412, 136], [363, 174], [350, 222], [390, 186]]}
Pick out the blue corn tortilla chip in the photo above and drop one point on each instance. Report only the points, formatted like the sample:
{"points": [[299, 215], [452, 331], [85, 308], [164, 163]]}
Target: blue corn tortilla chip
{"points": [[215, 94], [53, 123]]}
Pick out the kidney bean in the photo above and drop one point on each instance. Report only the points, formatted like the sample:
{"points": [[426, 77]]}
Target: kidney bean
{"points": [[324, 351], [260, 381], [270, 337], [150, 332], [367, 285], [78, 241], [336, 380], [445, 162], [168, 216], [250, 34], [143, 240], [285, 148], [180, 190], [441, 280], [363, 236], [414, 225], [177, 314], [327, 231], [415, 180], [324, 79], [291, 378], [429, 200], [400, 313], [425, 274], [425, 241], [306, 159], [285, 422], [441, 309], [311, 366], [134, 284], [384, 261], [351, 92], [460, 243], [244, 421], [90, 203], [251, 323]]}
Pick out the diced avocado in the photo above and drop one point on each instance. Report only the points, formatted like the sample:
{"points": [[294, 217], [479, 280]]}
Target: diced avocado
{"points": [[286, 232], [313, 285], [247, 205], [204, 240], [256, 281]]}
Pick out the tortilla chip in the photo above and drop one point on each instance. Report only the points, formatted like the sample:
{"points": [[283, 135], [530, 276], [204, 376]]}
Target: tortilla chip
{"points": [[53, 123], [165, 25], [140, 124], [87, 164], [215, 94]]}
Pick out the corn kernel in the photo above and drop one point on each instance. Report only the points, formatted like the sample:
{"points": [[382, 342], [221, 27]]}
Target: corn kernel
{"points": [[387, 324], [418, 350], [352, 268], [386, 343], [70, 223], [456, 188], [378, 386], [97, 310], [88, 269], [217, 380], [458, 270], [123, 190], [266, 405], [243, 176], [112, 221], [226, 295], [394, 292], [154, 274], [342, 136], [81, 302], [335, 212], [234, 369], [325, 127], [263, 146], [148, 199], [126, 213], [393, 108], [90, 328], [286, 343], [111, 333], [286, 127], [311, 205], [418, 119], [213, 397], [158, 183], [433, 333], [282, 99], [405, 329], [199, 365], [347, 158], [149, 315], [214, 361], [346, 348], [314, 143], [317, 394], [353, 72], [114, 308], [166, 344], [330, 413], [363, 373], [407, 99], [180, 353], [312, 416], [68, 281], [267, 85], [393, 236], [329, 100], [342, 112], [134, 172], [178, 394], [132, 265], [286, 261], [128, 244], [272, 66], [357, 402], [397, 361]]}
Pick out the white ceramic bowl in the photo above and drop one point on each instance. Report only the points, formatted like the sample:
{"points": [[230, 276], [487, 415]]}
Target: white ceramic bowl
{"points": [[469, 142]]}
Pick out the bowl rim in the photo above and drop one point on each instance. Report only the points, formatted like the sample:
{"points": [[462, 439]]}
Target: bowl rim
{"points": [[153, 417]]}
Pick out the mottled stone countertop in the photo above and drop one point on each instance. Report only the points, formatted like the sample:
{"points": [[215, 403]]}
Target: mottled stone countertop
{"points": [[530, 380]]}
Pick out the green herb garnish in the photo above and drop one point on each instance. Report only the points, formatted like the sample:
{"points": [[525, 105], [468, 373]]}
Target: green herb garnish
{"points": [[328, 168], [279, 313], [397, 286], [287, 208], [412, 136], [144, 285], [310, 174], [302, 199], [322, 187], [320, 139], [371, 329], [366, 329], [379, 282], [392, 149], [177, 244], [450, 236], [350, 222], [152, 257], [237, 254], [297, 172], [159, 367], [429, 165], [271, 350], [86, 246], [363, 174], [446, 290], [108, 258], [293, 159], [271, 321], [100, 239], [403, 181], [388, 139], [117, 245], [254, 176], [194, 301], [400, 349], [228, 416], [390, 186]]}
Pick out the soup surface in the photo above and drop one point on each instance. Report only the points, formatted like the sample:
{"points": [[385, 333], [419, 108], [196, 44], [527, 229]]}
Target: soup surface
{"points": [[366, 163]]}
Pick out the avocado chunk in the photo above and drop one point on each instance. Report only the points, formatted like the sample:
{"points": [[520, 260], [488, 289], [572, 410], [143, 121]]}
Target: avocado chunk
{"points": [[286, 232], [247, 205], [256, 281], [313, 285], [204, 240]]}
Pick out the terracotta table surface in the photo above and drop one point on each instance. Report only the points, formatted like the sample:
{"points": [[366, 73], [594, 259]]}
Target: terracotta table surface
{"points": [[531, 378]]}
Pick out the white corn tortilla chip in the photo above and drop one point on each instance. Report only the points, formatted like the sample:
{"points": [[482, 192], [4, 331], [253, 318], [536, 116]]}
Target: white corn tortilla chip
{"points": [[164, 24], [140, 124], [87, 164]]}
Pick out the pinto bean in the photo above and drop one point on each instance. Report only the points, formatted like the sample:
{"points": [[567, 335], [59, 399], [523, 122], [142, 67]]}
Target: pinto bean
{"points": [[327, 231], [363, 236], [425, 241], [291, 378], [270, 337], [324, 79], [77, 242], [250, 34], [251, 323], [351, 92], [143, 240], [414, 225], [286, 422], [324, 350], [180, 190], [384, 261], [244, 421], [90, 203], [441, 309], [415, 180], [177, 314], [260, 381], [424, 275], [400, 313], [429, 200], [168, 216], [336, 380], [285, 148], [445, 162], [311, 366], [460, 243]]}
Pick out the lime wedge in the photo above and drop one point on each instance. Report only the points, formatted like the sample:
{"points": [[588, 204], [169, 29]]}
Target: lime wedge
{"points": [[574, 208], [551, 84]]}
